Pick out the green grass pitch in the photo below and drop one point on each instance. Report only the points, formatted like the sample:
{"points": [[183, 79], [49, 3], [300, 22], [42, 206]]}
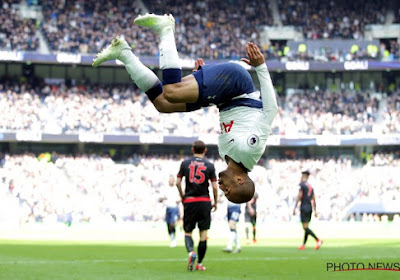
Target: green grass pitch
{"points": [[268, 259]]}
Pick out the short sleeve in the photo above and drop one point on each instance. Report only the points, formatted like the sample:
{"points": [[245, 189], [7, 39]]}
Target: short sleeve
{"points": [[181, 172], [213, 177]]}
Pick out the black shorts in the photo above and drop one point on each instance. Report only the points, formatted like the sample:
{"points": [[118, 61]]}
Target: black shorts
{"points": [[305, 216], [250, 219], [196, 213]]}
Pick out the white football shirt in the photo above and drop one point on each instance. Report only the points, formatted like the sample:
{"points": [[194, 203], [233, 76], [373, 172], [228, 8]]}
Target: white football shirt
{"points": [[172, 196], [244, 130]]}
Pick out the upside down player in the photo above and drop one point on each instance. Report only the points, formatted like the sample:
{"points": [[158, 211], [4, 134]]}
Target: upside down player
{"points": [[245, 118], [308, 204], [196, 200]]}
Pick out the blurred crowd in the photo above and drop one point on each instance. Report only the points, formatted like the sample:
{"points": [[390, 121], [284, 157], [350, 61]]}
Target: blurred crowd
{"points": [[387, 50], [337, 182], [58, 109], [88, 26], [323, 112], [391, 121], [16, 33], [215, 29], [58, 188], [210, 29], [326, 19]]}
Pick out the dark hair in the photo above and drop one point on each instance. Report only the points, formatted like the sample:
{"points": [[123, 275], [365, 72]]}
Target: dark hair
{"points": [[199, 147]]}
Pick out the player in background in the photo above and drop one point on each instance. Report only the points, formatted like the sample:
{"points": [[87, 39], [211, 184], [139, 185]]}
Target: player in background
{"points": [[250, 218], [245, 115], [233, 218], [306, 198], [172, 201], [198, 172]]}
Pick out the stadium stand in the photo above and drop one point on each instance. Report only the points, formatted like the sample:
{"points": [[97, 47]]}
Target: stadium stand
{"points": [[214, 29], [332, 19], [123, 110], [89, 26], [391, 120], [16, 33], [57, 188]]}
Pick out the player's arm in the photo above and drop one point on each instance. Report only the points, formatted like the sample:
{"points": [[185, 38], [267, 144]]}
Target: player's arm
{"points": [[250, 208], [257, 60], [215, 193], [298, 199], [213, 179], [179, 186], [314, 206]]}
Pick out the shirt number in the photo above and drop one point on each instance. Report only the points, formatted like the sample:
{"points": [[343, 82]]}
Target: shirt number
{"points": [[196, 174]]}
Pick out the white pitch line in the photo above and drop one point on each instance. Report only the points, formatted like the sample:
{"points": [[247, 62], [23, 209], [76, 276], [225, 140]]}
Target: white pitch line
{"points": [[145, 260], [35, 262], [228, 259]]}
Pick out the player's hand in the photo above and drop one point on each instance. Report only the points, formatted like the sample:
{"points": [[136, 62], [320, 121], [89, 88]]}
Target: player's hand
{"points": [[198, 64], [256, 58], [214, 208], [294, 212], [316, 215]]}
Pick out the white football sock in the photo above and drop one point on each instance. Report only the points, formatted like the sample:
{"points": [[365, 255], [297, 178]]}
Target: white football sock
{"points": [[142, 76], [237, 241], [231, 239], [169, 58]]}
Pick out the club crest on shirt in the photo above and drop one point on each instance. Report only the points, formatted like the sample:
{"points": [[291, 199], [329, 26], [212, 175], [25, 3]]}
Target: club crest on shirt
{"points": [[253, 140]]}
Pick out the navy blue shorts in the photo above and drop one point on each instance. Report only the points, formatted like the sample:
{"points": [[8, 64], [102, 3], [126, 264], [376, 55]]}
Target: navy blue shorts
{"points": [[219, 83], [172, 215], [234, 213]]}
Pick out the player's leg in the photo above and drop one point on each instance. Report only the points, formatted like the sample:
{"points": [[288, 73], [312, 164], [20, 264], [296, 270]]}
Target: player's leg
{"points": [[233, 217], [247, 230], [247, 227], [142, 76], [254, 223], [308, 231], [172, 234], [236, 239], [201, 250], [189, 244], [305, 227], [175, 217], [305, 217], [190, 248], [167, 219], [204, 224], [170, 218], [175, 89], [189, 223]]}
